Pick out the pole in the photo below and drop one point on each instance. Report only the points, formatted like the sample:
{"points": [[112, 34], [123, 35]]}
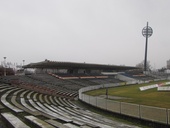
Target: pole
{"points": [[4, 66], [146, 47], [23, 62], [107, 93]]}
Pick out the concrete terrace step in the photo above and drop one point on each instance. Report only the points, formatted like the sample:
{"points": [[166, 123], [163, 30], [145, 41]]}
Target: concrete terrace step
{"points": [[52, 100], [41, 98], [35, 96], [56, 124], [7, 104], [80, 120], [20, 90], [57, 101], [71, 125], [47, 99], [62, 101], [50, 112], [6, 88], [38, 122], [54, 110], [61, 115], [14, 121], [44, 113], [24, 93], [29, 94], [20, 106], [30, 108], [69, 103]]}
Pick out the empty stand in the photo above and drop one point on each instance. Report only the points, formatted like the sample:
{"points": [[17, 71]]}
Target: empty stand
{"points": [[46, 101], [38, 122], [13, 121]]}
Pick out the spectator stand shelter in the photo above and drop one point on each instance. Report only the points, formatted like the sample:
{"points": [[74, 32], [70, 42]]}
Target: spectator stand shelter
{"points": [[74, 68]]}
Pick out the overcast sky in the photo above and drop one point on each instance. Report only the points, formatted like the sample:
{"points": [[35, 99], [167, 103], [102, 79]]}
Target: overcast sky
{"points": [[91, 31]]}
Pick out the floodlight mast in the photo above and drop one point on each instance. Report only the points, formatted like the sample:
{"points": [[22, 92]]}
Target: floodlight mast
{"points": [[146, 49], [4, 66], [146, 32]]}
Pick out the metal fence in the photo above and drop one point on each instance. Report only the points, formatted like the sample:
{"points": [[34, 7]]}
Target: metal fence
{"points": [[155, 114]]}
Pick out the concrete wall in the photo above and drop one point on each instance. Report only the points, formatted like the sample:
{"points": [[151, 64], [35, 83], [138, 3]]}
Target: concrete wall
{"points": [[155, 114], [113, 106], [93, 100], [130, 109], [101, 103]]}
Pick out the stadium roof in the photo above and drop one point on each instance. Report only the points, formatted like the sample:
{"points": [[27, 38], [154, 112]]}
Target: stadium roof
{"points": [[72, 65]]}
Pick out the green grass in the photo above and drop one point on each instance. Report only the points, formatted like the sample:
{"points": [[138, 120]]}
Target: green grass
{"points": [[132, 94]]}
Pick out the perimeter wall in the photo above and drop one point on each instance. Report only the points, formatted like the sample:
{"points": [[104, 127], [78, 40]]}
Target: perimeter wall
{"points": [[155, 114]]}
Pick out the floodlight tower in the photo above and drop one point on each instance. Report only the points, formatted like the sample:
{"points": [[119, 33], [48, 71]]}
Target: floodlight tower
{"points": [[4, 66], [23, 62], [146, 32]]}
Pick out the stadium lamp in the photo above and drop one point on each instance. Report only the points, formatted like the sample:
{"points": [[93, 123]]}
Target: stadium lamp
{"points": [[146, 32]]}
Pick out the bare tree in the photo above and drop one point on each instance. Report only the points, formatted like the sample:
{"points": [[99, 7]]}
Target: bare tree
{"points": [[141, 65]]}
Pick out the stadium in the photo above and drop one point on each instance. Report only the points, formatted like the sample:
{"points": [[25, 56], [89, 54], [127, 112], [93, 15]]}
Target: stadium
{"points": [[52, 94]]}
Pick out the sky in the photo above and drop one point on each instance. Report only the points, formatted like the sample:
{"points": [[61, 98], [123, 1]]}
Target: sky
{"points": [[91, 31]]}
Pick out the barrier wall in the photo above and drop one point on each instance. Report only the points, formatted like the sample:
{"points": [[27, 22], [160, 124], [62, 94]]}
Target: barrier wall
{"points": [[93, 100], [155, 114], [130, 109], [168, 116], [86, 98], [113, 106], [101, 103]]}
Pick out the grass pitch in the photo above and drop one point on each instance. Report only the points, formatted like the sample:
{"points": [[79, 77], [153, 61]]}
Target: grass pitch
{"points": [[132, 94]]}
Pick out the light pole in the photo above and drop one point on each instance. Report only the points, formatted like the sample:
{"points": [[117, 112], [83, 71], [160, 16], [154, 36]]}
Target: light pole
{"points": [[146, 32], [23, 62], [4, 66]]}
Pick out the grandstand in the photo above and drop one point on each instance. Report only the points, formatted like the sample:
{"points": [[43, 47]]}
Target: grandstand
{"points": [[47, 97]]}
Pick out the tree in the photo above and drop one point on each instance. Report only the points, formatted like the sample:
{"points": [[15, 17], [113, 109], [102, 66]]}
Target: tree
{"points": [[141, 65]]}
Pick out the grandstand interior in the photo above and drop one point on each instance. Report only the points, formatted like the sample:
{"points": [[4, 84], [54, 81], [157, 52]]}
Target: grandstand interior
{"points": [[51, 90]]}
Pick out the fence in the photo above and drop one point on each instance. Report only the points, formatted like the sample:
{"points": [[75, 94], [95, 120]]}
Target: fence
{"points": [[155, 114]]}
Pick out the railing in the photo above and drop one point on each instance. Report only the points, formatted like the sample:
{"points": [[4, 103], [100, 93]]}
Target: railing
{"points": [[150, 113]]}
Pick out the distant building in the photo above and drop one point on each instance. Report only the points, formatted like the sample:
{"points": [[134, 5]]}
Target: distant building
{"points": [[9, 71]]}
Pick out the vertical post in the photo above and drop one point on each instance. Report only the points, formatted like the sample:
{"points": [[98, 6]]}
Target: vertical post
{"points": [[146, 47], [23, 62], [4, 66], [167, 116], [107, 93]]}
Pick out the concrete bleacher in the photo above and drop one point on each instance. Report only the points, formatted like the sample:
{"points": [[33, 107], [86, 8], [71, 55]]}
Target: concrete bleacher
{"points": [[41, 108], [56, 124], [8, 104], [30, 108], [52, 100], [13, 121], [138, 75], [59, 87], [46, 99], [38, 122], [23, 93], [20, 106], [45, 83]]}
